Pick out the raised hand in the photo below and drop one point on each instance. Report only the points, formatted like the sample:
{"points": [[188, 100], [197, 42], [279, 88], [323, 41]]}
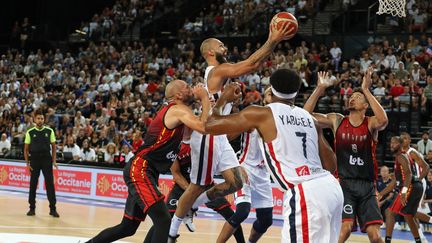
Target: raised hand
{"points": [[324, 80], [367, 80], [281, 34], [200, 92]]}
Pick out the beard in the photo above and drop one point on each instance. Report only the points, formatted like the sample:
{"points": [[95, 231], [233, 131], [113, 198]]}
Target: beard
{"points": [[189, 100], [220, 58]]}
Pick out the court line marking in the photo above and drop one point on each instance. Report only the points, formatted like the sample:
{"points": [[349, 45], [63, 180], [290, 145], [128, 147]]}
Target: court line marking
{"points": [[99, 229]]}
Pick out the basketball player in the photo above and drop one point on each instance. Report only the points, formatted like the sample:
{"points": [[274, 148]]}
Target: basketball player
{"points": [[356, 137], [155, 156], [422, 170], [180, 171], [409, 187], [289, 145], [213, 154], [256, 193]]}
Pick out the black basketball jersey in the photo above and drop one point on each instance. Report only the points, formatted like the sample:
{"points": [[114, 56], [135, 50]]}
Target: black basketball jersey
{"points": [[355, 151], [161, 144]]}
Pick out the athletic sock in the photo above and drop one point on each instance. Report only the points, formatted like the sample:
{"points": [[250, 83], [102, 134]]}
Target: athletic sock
{"points": [[417, 240], [203, 198], [388, 239], [175, 224]]}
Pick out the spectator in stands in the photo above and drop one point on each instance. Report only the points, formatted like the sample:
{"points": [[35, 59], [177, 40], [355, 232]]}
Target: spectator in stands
{"points": [[428, 192], [397, 89], [428, 96], [252, 97], [391, 58], [80, 138], [401, 73], [137, 141], [336, 54], [87, 153], [109, 153], [126, 152], [346, 92], [71, 147], [380, 90], [415, 71], [95, 142], [5, 145], [425, 144], [386, 200], [419, 20]]}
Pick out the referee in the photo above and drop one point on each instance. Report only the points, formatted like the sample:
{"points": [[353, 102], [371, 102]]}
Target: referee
{"points": [[42, 157]]}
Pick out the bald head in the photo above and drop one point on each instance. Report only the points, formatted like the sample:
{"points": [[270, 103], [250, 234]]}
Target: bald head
{"points": [[174, 87], [207, 45]]}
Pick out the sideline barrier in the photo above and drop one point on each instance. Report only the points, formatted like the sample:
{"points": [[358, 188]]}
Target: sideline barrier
{"points": [[95, 183]]}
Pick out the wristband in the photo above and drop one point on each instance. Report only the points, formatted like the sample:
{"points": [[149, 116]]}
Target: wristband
{"points": [[404, 189]]}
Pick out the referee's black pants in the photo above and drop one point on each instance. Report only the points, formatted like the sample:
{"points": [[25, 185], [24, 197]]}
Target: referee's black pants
{"points": [[43, 164]]}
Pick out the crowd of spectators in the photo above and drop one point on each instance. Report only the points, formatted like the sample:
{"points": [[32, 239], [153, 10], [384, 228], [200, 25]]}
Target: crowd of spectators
{"points": [[101, 99], [418, 17], [233, 17], [121, 17]]}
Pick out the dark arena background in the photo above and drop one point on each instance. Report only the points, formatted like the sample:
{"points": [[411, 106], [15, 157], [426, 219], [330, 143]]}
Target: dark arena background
{"points": [[98, 71]]}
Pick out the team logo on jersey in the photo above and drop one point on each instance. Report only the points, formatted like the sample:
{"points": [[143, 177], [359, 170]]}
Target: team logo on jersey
{"points": [[171, 155], [46, 134], [302, 170], [354, 147], [348, 209], [173, 202]]}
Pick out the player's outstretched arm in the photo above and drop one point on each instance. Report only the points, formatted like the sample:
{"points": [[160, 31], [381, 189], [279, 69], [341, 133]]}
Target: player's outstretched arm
{"points": [[252, 63], [243, 121], [182, 114], [379, 121], [330, 120]]}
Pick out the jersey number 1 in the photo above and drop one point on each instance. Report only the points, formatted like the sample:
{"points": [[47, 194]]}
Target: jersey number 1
{"points": [[303, 136]]}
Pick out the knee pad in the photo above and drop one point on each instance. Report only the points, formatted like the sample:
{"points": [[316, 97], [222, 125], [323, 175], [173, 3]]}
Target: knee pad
{"points": [[240, 215], [264, 219]]}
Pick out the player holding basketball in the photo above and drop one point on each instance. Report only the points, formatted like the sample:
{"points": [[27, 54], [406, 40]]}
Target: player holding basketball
{"points": [[289, 145], [213, 154], [356, 136], [409, 187], [155, 156]]}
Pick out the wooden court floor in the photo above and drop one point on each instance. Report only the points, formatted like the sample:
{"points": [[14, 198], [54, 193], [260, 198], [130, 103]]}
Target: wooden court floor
{"points": [[86, 221]]}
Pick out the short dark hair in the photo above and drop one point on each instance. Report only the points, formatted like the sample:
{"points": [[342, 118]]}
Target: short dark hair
{"points": [[358, 90], [39, 112], [286, 81]]}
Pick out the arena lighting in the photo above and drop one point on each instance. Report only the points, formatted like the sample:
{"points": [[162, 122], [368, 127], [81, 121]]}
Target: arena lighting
{"points": [[81, 32]]}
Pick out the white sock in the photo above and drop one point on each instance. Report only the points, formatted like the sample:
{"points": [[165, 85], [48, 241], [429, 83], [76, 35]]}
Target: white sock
{"points": [[175, 224], [203, 198], [422, 236]]}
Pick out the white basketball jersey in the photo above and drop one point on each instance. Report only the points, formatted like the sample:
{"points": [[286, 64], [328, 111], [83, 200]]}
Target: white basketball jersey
{"points": [[293, 156], [251, 153], [418, 169], [228, 107]]}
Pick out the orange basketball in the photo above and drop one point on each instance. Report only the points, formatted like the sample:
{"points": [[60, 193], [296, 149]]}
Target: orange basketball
{"points": [[284, 18]]}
